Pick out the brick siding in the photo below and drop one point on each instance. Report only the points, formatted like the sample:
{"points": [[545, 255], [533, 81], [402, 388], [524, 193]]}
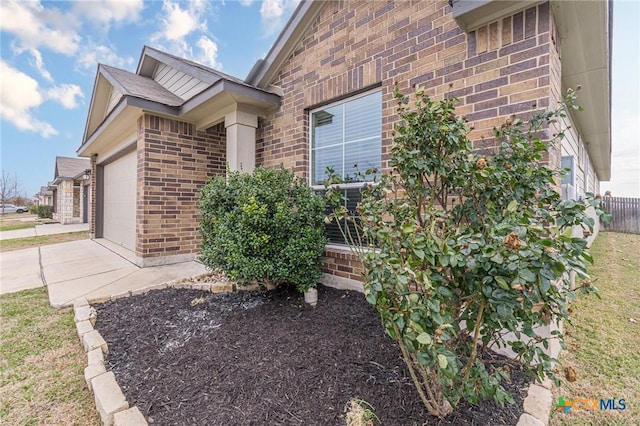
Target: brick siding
{"points": [[510, 66], [174, 162]]}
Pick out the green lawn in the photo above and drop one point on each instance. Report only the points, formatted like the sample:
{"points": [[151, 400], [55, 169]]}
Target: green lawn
{"points": [[41, 364], [604, 337], [14, 227], [42, 240]]}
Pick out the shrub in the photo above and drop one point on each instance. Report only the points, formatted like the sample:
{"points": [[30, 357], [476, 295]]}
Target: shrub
{"points": [[45, 212], [468, 246], [33, 209], [267, 226]]}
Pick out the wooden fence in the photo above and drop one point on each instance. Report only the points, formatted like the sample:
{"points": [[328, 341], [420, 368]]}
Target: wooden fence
{"points": [[625, 212]]}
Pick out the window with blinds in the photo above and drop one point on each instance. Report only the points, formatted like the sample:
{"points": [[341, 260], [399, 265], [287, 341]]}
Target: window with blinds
{"points": [[346, 136]]}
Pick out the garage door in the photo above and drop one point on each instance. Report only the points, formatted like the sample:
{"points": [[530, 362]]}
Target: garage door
{"points": [[120, 201]]}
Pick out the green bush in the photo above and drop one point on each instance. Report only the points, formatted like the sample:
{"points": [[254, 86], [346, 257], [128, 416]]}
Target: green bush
{"points": [[267, 227], [463, 247], [33, 209], [45, 212]]}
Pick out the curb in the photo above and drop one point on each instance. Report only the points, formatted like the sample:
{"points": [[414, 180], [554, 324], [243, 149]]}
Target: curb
{"points": [[111, 404]]}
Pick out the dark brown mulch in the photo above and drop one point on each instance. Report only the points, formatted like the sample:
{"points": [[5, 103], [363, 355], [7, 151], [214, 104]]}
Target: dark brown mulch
{"points": [[267, 359]]}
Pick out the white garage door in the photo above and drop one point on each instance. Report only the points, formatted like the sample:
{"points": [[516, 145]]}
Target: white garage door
{"points": [[120, 201]]}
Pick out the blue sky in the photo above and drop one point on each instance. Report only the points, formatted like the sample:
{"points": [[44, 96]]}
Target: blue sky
{"points": [[50, 51]]}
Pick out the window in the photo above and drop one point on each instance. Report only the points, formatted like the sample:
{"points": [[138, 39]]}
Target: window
{"points": [[568, 163], [346, 136]]}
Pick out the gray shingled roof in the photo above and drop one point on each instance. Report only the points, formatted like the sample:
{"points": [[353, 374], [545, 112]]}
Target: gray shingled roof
{"points": [[67, 167], [142, 87], [44, 190]]}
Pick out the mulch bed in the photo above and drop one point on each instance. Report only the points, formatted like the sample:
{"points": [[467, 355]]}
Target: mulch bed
{"points": [[185, 357]]}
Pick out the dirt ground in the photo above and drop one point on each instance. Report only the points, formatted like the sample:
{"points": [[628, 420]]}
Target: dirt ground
{"points": [[187, 357]]}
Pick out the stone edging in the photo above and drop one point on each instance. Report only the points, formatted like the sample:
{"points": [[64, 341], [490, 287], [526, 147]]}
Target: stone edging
{"points": [[537, 405], [113, 407], [110, 402]]}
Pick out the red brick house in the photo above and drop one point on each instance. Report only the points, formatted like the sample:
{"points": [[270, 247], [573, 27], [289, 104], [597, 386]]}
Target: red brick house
{"points": [[323, 96]]}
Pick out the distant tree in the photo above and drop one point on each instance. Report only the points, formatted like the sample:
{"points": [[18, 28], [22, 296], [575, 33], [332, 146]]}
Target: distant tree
{"points": [[9, 187]]}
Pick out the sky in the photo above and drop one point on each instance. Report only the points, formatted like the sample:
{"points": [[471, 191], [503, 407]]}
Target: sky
{"points": [[50, 51]]}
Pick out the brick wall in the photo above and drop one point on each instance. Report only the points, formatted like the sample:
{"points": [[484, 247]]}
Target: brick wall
{"points": [[506, 67], [174, 163]]}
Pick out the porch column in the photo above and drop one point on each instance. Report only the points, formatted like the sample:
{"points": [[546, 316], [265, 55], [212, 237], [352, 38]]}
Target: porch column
{"points": [[241, 140]]}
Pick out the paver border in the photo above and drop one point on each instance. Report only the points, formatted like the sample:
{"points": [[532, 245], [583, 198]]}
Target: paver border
{"points": [[536, 407], [111, 404]]}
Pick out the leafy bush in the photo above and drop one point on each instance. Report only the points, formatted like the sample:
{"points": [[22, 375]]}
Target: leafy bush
{"points": [[45, 212], [459, 248], [33, 209], [267, 226]]}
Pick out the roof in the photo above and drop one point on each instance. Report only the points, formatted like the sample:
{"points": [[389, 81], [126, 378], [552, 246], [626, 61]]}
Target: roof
{"points": [[140, 92], [130, 84], [190, 67], [69, 168], [44, 190], [265, 69]]}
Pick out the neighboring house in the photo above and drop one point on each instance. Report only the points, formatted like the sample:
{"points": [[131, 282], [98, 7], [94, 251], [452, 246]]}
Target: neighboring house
{"points": [[70, 190], [45, 196], [323, 96]]}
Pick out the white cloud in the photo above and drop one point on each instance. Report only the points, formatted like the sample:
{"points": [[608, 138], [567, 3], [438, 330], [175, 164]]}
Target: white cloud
{"points": [[34, 27], [19, 95], [183, 32], [93, 54], [208, 54], [271, 13], [178, 23], [107, 11], [38, 63], [65, 94], [246, 3], [36, 60]]}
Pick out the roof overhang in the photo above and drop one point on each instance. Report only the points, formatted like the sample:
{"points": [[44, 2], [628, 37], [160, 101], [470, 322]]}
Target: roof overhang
{"points": [[265, 69], [585, 38], [471, 14], [585, 34], [204, 109]]}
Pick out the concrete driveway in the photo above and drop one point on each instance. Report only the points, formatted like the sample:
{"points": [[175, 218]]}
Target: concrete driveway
{"points": [[83, 268]]}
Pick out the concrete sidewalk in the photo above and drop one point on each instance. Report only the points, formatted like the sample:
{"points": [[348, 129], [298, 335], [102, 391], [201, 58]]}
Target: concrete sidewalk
{"points": [[20, 270], [87, 268], [48, 229]]}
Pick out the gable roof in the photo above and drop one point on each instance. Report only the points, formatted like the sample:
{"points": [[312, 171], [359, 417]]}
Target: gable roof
{"points": [[265, 69], [69, 168], [150, 57], [130, 84], [118, 94]]}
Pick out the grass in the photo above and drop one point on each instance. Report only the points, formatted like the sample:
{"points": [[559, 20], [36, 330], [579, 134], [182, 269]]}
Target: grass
{"points": [[14, 227], [41, 364], [603, 339], [42, 240]]}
